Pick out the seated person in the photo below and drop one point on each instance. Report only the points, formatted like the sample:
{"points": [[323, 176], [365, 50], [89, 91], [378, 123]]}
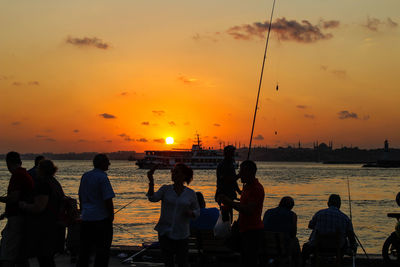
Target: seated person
{"points": [[208, 216], [329, 221], [283, 219]]}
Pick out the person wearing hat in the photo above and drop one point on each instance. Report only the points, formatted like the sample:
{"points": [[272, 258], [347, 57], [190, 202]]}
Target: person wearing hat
{"points": [[227, 181]]}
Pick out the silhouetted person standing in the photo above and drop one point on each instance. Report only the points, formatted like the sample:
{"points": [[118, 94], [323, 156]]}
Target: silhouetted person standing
{"points": [[47, 236], [95, 196], [20, 188], [250, 208], [227, 180]]}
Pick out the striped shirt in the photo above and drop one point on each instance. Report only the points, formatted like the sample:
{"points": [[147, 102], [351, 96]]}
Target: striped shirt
{"points": [[331, 220]]}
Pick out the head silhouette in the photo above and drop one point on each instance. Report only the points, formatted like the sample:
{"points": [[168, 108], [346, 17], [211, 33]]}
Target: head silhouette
{"points": [[46, 168], [287, 202], [38, 159], [182, 173], [334, 201], [13, 161], [229, 152], [101, 161]]}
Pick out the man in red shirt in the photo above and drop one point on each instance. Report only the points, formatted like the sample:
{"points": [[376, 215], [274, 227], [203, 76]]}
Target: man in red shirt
{"points": [[20, 188], [250, 209]]}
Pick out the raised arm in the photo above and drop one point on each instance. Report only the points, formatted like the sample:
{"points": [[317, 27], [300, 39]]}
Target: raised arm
{"points": [[150, 191], [151, 195]]}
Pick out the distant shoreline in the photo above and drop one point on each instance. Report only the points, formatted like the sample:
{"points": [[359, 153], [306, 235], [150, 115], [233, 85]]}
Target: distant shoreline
{"points": [[321, 153]]}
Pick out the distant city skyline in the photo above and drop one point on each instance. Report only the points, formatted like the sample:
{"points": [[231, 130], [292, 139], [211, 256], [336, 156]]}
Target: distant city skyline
{"points": [[81, 76]]}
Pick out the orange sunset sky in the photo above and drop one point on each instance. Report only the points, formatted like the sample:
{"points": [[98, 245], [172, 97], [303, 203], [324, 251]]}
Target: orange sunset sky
{"points": [[126, 74]]}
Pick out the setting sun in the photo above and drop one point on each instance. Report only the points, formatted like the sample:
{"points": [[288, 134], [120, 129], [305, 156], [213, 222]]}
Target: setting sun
{"points": [[169, 140]]}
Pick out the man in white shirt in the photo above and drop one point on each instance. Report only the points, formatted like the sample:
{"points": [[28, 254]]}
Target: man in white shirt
{"points": [[97, 208]]}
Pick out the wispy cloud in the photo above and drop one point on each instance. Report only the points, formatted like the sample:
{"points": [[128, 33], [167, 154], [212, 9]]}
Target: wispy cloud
{"points": [[214, 37], [374, 24], [171, 123], [159, 140], [146, 123], [329, 24], [50, 139], [144, 140], [344, 114], [391, 23], [259, 137], [82, 141], [287, 30], [16, 123], [87, 42], [17, 83], [158, 112], [126, 137], [342, 74], [339, 73], [34, 83], [187, 80], [124, 93], [301, 106], [107, 116], [309, 116], [40, 136], [217, 125]]}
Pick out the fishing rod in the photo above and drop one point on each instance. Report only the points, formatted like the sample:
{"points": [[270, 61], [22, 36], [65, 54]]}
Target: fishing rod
{"points": [[261, 76], [351, 219], [126, 205]]}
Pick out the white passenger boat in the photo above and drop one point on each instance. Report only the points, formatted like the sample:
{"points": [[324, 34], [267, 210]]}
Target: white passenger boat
{"points": [[196, 158]]}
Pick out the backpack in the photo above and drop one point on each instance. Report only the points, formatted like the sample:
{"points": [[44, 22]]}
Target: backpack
{"points": [[68, 211]]}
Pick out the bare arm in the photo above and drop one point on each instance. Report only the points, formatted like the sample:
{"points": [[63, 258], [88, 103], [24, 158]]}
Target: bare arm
{"points": [[245, 208], [39, 204], [150, 173], [237, 188]]}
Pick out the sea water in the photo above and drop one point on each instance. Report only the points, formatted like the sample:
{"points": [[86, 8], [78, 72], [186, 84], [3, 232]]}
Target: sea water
{"points": [[373, 193]]}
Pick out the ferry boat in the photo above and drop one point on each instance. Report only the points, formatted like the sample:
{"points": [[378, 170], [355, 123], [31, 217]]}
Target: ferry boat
{"points": [[196, 158]]}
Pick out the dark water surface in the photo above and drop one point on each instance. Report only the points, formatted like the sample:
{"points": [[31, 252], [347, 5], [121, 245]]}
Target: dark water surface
{"points": [[372, 191]]}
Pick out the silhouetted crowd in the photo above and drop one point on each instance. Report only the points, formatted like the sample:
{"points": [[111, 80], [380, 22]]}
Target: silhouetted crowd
{"points": [[38, 213]]}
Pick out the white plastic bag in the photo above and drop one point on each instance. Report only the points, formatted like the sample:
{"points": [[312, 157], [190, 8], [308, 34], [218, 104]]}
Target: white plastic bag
{"points": [[222, 229]]}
